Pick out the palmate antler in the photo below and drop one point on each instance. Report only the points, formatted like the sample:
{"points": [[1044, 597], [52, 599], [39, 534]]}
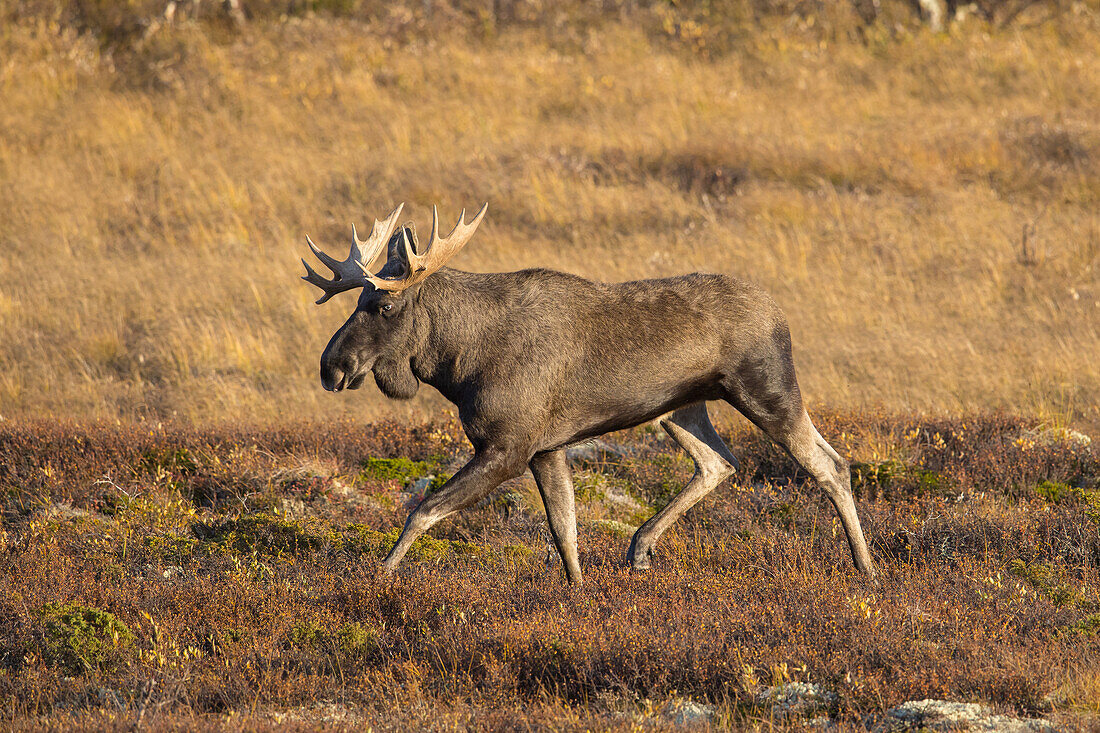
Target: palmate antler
{"points": [[354, 273]]}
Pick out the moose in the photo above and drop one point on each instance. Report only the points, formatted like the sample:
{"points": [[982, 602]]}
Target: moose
{"points": [[538, 360]]}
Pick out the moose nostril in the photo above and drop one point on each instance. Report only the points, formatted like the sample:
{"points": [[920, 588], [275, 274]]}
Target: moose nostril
{"points": [[332, 378]]}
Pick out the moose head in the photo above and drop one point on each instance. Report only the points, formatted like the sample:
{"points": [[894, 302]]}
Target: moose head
{"points": [[381, 328]]}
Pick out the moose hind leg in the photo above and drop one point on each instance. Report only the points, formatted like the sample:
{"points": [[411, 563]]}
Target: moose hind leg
{"points": [[764, 389], [692, 429], [832, 473], [555, 482]]}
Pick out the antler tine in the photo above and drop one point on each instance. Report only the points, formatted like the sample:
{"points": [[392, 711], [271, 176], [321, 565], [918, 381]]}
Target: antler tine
{"points": [[379, 236], [438, 252], [352, 272], [415, 261], [313, 278], [459, 235], [330, 262]]}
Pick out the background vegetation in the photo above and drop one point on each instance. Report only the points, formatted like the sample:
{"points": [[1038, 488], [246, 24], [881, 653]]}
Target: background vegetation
{"points": [[925, 207]]}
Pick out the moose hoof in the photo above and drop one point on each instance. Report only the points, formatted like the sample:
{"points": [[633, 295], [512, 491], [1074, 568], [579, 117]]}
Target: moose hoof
{"points": [[639, 557]]}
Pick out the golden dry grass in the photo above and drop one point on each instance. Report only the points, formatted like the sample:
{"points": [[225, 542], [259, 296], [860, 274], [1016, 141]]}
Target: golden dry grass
{"points": [[153, 204]]}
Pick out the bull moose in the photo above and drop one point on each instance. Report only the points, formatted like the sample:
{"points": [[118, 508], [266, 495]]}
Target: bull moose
{"points": [[538, 360]]}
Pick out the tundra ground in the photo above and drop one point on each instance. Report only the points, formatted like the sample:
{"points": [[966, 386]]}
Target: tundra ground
{"points": [[226, 578]]}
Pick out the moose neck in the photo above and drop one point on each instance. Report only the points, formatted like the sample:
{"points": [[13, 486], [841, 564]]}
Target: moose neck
{"points": [[452, 308]]}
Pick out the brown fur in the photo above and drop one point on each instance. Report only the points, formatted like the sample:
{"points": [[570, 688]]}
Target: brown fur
{"points": [[537, 360]]}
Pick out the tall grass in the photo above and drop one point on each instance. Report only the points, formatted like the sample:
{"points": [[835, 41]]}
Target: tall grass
{"points": [[153, 201]]}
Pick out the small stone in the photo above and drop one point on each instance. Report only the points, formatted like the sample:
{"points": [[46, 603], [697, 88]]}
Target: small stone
{"points": [[420, 486], [345, 493], [293, 507], [616, 529], [797, 698], [593, 451], [684, 713], [944, 715], [61, 511], [1054, 436]]}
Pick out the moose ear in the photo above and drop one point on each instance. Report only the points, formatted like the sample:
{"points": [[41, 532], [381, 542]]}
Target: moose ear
{"points": [[397, 264]]}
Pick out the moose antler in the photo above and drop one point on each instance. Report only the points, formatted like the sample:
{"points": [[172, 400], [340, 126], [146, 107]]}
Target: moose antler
{"points": [[440, 249], [352, 272]]}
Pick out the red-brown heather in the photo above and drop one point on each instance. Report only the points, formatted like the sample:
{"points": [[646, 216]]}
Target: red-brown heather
{"points": [[242, 564]]}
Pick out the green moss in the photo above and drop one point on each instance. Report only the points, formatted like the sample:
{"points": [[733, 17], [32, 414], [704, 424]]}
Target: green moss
{"points": [[1057, 492], [1088, 626], [232, 636], [437, 483], [1035, 574], [78, 638], [395, 469], [426, 549], [876, 475], [372, 542], [783, 514], [171, 546], [350, 640], [307, 634], [930, 482], [1042, 579], [355, 639], [171, 460], [516, 552], [613, 528], [590, 487], [672, 477], [874, 478], [266, 534]]}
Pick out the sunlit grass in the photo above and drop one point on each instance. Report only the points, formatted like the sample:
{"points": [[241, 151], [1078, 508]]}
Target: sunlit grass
{"points": [[155, 204]]}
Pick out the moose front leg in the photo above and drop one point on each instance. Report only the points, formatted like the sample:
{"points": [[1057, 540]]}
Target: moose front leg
{"points": [[551, 472], [486, 470]]}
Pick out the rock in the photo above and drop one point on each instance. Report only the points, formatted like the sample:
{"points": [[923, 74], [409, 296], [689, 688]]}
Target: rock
{"points": [[342, 492], [617, 496], [684, 713], [293, 507], [1054, 436], [596, 451], [420, 485], [61, 511], [944, 715], [108, 698], [615, 529], [797, 698]]}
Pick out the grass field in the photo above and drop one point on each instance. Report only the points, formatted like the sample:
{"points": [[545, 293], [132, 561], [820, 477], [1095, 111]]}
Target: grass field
{"points": [[154, 201], [190, 526]]}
